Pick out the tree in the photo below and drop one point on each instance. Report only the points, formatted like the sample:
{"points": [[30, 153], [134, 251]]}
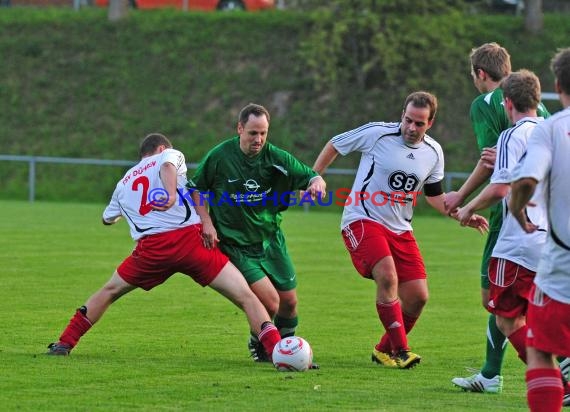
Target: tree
{"points": [[534, 17], [118, 9]]}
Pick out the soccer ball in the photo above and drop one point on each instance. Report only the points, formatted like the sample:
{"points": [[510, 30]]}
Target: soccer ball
{"points": [[292, 354]]}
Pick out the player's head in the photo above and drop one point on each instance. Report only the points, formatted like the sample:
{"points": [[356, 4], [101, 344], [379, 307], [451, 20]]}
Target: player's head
{"points": [[152, 143], [252, 128], [560, 66], [418, 116], [521, 89], [489, 62]]}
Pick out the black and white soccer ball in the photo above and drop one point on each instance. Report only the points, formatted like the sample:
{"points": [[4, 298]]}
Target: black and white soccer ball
{"points": [[292, 354]]}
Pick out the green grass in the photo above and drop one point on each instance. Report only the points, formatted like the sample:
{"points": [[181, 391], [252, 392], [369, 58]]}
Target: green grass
{"points": [[183, 347]]}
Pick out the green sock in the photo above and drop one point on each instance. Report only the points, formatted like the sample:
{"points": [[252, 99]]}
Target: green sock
{"points": [[286, 326], [496, 345]]}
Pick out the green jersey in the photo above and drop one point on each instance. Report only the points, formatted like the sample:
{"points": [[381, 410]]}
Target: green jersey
{"points": [[248, 194], [489, 119]]}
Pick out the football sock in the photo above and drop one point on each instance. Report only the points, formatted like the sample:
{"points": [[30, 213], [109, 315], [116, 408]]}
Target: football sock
{"points": [[544, 390], [390, 315], [384, 344], [496, 343], [518, 340], [77, 327], [286, 326], [269, 337]]}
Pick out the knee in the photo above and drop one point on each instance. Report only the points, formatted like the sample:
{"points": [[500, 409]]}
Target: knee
{"points": [[271, 304], [288, 305]]}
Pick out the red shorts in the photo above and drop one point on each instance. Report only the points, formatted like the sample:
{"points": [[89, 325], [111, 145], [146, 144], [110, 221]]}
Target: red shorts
{"points": [[157, 257], [368, 242], [548, 324], [509, 289]]}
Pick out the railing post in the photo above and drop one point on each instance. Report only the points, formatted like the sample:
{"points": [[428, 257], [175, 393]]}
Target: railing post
{"points": [[32, 180]]}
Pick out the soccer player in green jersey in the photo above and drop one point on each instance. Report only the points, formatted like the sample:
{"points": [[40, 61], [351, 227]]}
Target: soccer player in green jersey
{"points": [[248, 182], [490, 64]]}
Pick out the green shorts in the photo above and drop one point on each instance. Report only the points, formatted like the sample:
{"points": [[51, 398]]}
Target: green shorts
{"points": [[256, 262], [487, 251]]}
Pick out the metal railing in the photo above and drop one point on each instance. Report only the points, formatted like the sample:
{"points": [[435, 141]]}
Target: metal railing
{"points": [[33, 160]]}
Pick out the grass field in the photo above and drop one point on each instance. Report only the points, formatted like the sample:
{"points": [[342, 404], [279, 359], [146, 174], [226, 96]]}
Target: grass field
{"points": [[183, 347]]}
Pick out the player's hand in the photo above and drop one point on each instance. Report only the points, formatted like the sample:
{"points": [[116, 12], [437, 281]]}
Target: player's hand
{"points": [[479, 223], [527, 226], [163, 203], [317, 188], [463, 215], [209, 235], [489, 156], [451, 201]]}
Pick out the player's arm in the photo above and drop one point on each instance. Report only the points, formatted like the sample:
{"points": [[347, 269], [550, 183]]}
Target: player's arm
{"points": [[478, 177], [436, 199], [209, 233], [522, 191], [490, 195], [112, 212], [325, 158], [169, 179]]}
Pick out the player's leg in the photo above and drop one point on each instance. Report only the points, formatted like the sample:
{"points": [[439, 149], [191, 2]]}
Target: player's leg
{"points": [[231, 284], [489, 379], [281, 272], [515, 329], [413, 297], [496, 341], [87, 315], [543, 380]]}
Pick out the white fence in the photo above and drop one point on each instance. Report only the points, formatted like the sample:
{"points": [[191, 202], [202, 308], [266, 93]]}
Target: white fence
{"points": [[33, 160]]}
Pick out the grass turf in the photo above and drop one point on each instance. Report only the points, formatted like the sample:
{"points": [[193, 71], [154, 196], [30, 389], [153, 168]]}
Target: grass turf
{"points": [[183, 347]]}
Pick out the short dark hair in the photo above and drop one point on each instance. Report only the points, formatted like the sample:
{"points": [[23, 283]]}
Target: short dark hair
{"points": [[560, 66], [423, 99], [492, 58], [150, 143], [523, 89], [256, 109]]}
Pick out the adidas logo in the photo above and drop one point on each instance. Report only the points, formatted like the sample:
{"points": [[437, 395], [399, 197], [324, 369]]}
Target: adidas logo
{"points": [[491, 303], [410, 156]]}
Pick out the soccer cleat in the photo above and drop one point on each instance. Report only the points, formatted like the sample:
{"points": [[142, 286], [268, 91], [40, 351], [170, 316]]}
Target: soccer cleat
{"points": [[478, 383], [406, 359], [383, 358], [58, 349], [565, 368], [257, 351]]}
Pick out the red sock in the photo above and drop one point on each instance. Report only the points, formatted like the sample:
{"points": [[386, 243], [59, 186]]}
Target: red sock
{"points": [[390, 315], [518, 340], [77, 327], [269, 337], [544, 390], [384, 344]]}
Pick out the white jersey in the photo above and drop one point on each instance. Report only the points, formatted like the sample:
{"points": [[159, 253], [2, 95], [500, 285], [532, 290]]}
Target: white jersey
{"points": [[548, 161], [142, 184], [390, 175], [514, 243]]}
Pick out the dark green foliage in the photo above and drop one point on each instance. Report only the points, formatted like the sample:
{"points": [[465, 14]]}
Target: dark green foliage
{"points": [[75, 85]]}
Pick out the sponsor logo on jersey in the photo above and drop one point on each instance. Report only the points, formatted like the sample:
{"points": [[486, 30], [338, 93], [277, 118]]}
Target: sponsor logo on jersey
{"points": [[251, 185], [401, 181]]}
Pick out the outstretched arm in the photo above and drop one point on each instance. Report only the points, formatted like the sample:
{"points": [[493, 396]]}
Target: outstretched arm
{"points": [[476, 221], [478, 176], [325, 158], [492, 194]]}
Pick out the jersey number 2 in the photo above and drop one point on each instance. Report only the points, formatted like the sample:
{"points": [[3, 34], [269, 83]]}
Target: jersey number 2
{"points": [[143, 181]]}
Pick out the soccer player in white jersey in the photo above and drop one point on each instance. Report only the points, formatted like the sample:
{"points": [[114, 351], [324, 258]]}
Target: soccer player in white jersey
{"points": [[515, 257], [398, 161], [166, 226], [548, 317]]}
